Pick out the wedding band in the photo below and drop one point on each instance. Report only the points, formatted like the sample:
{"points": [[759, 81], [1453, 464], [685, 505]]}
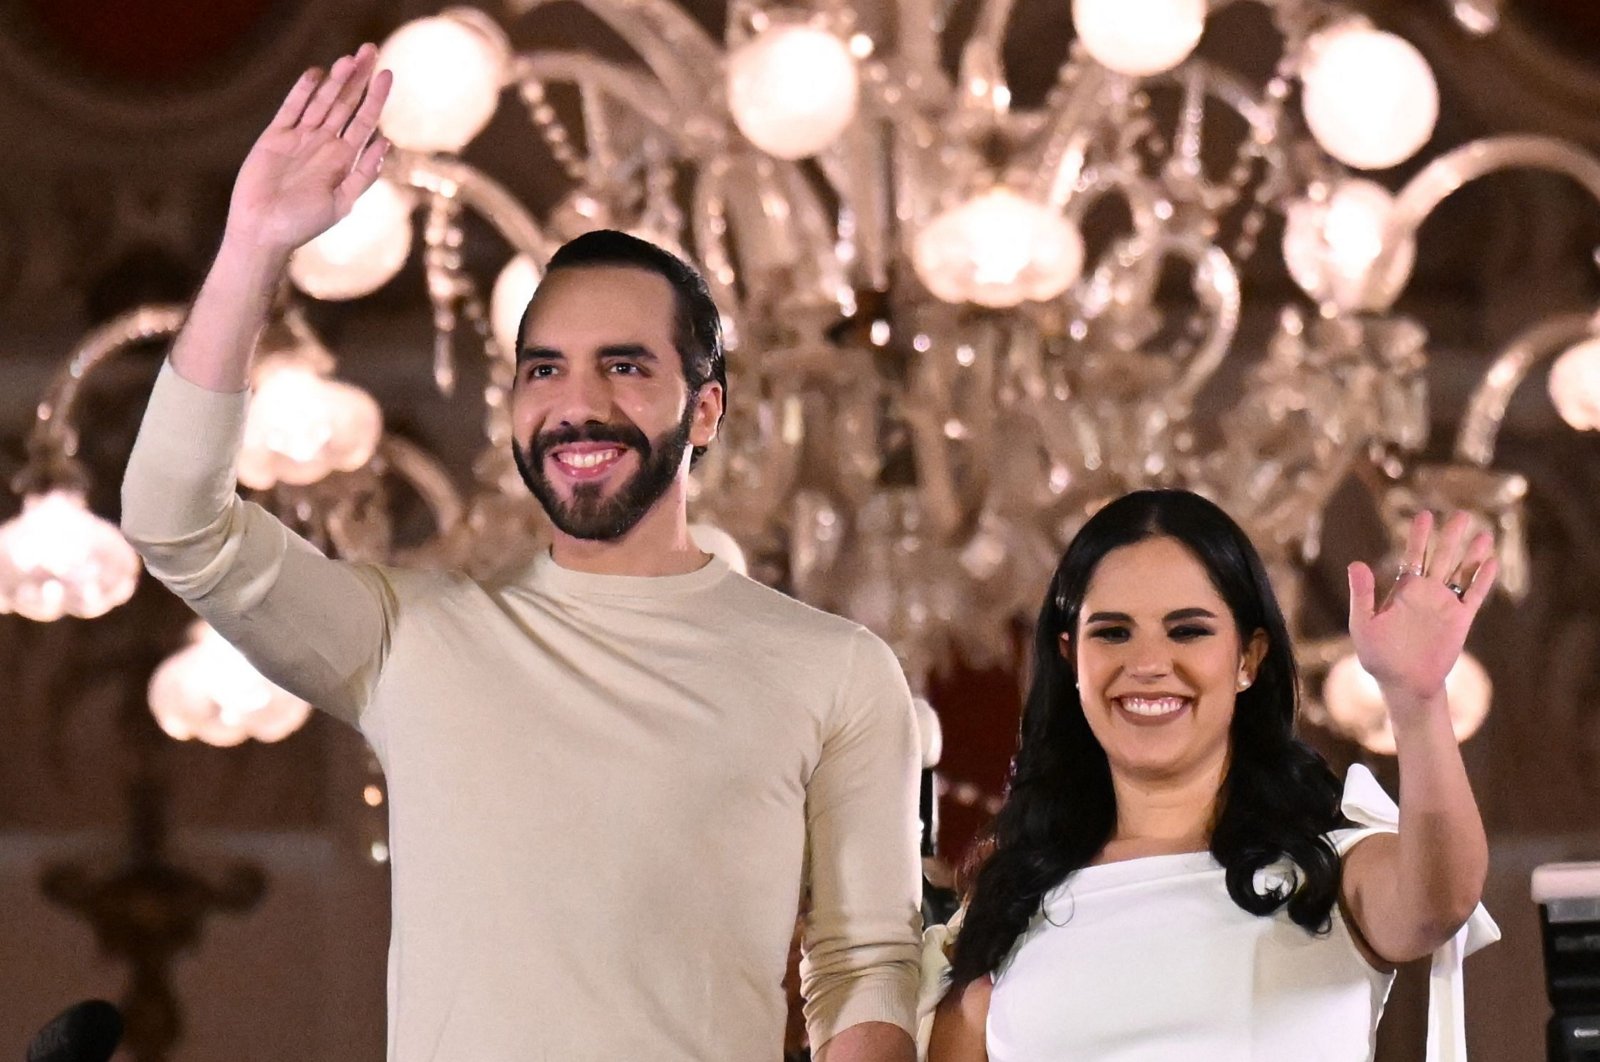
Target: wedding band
{"points": [[1457, 589]]}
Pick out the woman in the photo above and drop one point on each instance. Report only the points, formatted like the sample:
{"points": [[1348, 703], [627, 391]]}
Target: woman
{"points": [[1171, 877]]}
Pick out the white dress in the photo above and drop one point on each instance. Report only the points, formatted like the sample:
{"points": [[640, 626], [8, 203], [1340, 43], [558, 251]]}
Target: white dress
{"points": [[1150, 960]]}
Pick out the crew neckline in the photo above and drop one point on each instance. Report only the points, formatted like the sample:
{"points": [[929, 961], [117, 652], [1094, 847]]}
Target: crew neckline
{"points": [[546, 572]]}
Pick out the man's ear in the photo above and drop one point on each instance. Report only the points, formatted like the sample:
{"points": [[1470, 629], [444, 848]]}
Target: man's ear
{"points": [[707, 414]]}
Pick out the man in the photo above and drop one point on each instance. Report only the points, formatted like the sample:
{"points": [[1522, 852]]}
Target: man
{"points": [[609, 778]]}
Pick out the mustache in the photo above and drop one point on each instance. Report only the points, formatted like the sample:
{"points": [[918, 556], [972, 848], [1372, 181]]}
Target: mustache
{"points": [[627, 435]]}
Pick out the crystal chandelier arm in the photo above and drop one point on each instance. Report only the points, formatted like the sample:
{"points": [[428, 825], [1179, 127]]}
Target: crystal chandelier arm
{"points": [[1447, 173], [475, 189], [53, 441], [1486, 409], [982, 95], [638, 91], [710, 223], [672, 44], [921, 26]]}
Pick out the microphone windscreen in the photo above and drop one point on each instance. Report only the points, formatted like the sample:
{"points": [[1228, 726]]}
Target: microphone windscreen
{"points": [[84, 1032]]}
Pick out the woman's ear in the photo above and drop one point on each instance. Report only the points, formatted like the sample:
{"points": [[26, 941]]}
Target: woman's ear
{"points": [[1250, 659], [1064, 646]]}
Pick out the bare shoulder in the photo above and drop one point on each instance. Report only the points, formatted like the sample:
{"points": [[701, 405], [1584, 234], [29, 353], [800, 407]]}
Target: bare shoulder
{"points": [[960, 1022]]}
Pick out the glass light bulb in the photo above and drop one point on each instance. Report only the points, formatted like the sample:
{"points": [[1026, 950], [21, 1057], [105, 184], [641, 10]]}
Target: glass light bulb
{"points": [[1139, 37], [448, 72], [362, 252], [1357, 707], [717, 542], [792, 89], [302, 425], [1332, 244], [998, 249], [513, 290], [1370, 97], [58, 559], [1575, 385], [210, 692]]}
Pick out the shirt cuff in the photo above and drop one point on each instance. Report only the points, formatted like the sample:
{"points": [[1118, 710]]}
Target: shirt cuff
{"points": [[887, 996]]}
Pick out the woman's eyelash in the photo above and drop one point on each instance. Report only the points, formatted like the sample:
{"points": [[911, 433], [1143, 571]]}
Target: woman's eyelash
{"points": [[1112, 634]]}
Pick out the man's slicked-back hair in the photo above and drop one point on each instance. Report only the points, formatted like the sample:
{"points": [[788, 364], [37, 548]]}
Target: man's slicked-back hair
{"points": [[697, 331]]}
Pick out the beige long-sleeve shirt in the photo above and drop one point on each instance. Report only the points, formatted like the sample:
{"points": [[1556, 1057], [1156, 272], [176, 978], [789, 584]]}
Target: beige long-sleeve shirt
{"points": [[605, 791]]}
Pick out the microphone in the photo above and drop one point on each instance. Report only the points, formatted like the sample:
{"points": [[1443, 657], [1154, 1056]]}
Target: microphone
{"points": [[84, 1032]]}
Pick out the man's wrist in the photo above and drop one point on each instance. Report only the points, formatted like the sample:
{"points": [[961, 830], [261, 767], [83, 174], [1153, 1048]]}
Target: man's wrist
{"points": [[243, 260]]}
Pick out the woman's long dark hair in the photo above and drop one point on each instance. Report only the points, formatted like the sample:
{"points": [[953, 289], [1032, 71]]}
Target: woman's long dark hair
{"points": [[1279, 797]]}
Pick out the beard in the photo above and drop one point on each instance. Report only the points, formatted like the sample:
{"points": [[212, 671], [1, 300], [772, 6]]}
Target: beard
{"points": [[589, 514]]}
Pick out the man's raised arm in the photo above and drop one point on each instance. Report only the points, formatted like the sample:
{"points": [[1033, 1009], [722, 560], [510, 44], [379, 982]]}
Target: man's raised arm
{"points": [[316, 627]]}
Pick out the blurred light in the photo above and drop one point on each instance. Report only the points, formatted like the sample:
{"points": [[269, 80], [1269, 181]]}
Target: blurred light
{"points": [[58, 559], [302, 425], [362, 252], [1331, 246], [448, 71], [1575, 385], [513, 290], [998, 249], [1356, 704], [792, 89], [718, 543], [211, 692], [1139, 37], [1370, 97]]}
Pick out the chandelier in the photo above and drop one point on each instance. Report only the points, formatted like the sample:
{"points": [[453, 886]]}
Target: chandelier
{"points": [[952, 322]]}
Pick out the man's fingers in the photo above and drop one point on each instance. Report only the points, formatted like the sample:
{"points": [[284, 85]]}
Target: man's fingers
{"points": [[327, 93], [366, 118], [344, 105], [368, 164], [295, 103]]}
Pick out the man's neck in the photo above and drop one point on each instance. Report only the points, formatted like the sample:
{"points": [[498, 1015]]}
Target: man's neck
{"points": [[659, 544]]}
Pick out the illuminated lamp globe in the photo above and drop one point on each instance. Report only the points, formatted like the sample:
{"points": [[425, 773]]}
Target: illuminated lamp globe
{"points": [[210, 692], [1332, 247], [998, 249], [717, 542], [59, 559], [362, 252], [1356, 705], [1139, 37], [1370, 98], [1575, 385], [302, 425], [448, 72], [513, 290], [792, 89]]}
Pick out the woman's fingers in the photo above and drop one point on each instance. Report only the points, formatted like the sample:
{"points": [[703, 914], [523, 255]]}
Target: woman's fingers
{"points": [[1416, 555], [1452, 544], [1482, 583], [1363, 592]]}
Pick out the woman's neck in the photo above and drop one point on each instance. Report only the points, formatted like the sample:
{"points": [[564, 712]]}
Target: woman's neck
{"points": [[1163, 814]]}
